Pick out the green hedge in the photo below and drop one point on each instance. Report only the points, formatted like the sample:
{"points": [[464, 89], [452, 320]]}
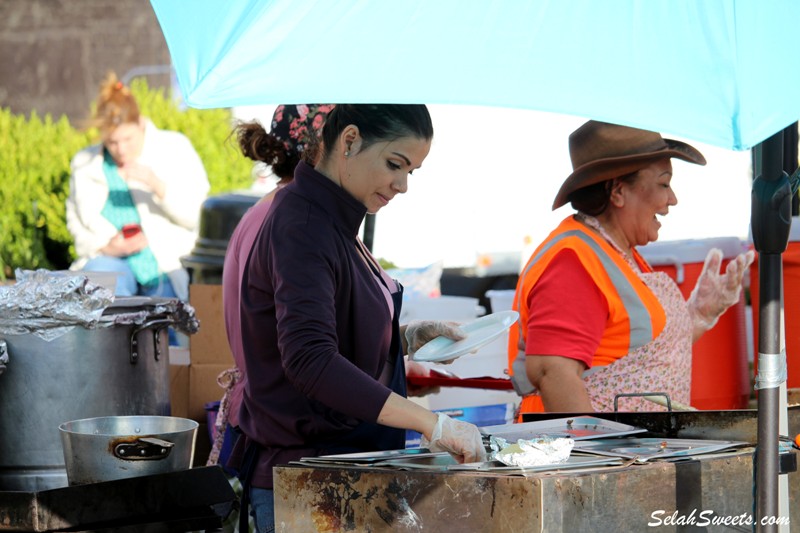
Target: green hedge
{"points": [[34, 173]]}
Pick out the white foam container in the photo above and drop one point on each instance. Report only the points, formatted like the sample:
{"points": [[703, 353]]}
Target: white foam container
{"points": [[501, 300], [455, 308], [490, 360]]}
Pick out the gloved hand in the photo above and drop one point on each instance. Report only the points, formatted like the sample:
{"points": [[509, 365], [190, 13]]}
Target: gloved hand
{"points": [[418, 332], [460, 439], [714, 293]]}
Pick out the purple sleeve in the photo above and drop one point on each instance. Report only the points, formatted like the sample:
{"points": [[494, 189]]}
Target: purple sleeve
{"points": [[239, 246], [306, 309]]}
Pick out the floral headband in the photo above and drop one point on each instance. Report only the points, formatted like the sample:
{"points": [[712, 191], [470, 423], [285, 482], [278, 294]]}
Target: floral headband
{"points": [[298, 125]]}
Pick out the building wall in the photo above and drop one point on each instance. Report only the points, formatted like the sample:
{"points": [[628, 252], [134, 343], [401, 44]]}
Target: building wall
{"points": [[55, 53]]}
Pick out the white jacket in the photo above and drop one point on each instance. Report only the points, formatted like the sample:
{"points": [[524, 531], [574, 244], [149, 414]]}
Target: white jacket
{"points": [[170, 224]]}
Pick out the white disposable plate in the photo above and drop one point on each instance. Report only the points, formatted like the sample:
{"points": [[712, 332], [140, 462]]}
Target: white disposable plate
{"points": [[479, 333], [576, 427]]}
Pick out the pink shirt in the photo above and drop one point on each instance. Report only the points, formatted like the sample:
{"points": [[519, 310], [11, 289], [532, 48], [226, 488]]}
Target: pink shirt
{"points": [[235, 260]]}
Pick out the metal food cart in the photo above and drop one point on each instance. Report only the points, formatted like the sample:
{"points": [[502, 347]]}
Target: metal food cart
{"points": [[712, 492]]}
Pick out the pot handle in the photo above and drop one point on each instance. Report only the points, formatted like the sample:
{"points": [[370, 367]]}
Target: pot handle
{"points": [[144, 449], [3, 356], [157, 324]]}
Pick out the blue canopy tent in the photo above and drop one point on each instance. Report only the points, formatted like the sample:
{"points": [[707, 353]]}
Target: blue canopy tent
{"points": [[723, 72], [717, 71]]}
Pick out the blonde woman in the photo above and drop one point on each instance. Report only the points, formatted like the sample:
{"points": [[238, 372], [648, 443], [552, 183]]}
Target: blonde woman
{"points": [[134, 199]]}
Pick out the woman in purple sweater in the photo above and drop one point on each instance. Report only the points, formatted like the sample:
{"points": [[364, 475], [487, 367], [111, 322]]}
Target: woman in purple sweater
{"points": [[293, 136], [323, 348]]}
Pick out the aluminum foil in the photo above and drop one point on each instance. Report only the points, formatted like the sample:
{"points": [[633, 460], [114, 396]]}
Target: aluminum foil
{"points": [[49, 304], [531, 452], [182, 314]]}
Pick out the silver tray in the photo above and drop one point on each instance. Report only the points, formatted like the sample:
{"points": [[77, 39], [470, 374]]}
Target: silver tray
{"points": [[576, 427], [654, 448], [370, 458], [443, 461], [574, 462]]}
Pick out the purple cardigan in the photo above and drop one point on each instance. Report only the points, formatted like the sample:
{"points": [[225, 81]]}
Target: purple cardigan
{"points": [[316, 330], [239, 246]]}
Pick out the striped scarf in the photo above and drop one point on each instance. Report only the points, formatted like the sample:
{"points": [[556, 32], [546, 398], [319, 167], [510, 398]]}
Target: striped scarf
{"points": [[120, 210]]}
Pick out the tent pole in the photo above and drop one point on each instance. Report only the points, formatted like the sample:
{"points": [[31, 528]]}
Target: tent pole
{"points": [[770, 221], [791, 137], [770, 268]]}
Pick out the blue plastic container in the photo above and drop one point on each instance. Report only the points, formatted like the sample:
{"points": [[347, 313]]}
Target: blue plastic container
{"points": [[483, 415]]}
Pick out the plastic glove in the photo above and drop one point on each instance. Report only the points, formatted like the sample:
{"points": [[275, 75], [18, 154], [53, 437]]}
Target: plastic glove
{"points": [[460, 439], [419, 332], [714, 293]]}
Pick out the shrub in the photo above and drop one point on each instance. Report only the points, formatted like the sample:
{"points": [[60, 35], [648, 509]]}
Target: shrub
{"points": [[34, 173], [34, 170]]}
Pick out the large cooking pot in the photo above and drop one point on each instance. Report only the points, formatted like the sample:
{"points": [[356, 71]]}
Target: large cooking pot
{"points": [[119, 369], [117, 447]]}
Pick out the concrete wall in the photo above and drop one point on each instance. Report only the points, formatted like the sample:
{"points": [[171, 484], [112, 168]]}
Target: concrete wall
{"points": [[55, 53]]}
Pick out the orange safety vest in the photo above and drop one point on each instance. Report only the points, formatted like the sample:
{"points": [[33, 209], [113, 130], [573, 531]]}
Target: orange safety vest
{"points": [[635, 316]]}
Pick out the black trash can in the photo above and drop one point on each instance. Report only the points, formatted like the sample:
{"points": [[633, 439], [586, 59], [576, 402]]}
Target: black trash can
{"points": [[464, 282], [219, 216]]}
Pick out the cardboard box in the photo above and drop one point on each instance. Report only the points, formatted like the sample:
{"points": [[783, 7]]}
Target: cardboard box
{"points": [[210, 344], [209, 356], [179, 381], [203, 388], [179, 390]]}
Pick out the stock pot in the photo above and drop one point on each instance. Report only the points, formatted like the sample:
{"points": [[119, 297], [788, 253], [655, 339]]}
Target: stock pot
{"points": [[119, 368], [117, 447]]}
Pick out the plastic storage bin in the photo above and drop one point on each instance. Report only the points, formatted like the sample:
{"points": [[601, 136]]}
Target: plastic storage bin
{"points": [[501, 300], [720, 373], [484, 415], [791, 305]]}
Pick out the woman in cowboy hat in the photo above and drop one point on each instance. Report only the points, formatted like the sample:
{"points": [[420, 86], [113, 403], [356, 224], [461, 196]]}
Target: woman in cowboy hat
{"points": [[595, 319]]}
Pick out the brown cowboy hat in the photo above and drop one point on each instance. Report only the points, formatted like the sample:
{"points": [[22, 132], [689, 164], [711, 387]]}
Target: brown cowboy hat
{"points": [[602, 151]]}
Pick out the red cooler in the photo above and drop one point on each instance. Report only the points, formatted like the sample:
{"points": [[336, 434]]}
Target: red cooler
{"points": [[791, 305], [720, 373]]}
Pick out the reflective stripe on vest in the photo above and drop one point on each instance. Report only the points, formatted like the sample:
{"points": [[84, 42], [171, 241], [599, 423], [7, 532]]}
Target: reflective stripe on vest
{"points": [[641, 328]]}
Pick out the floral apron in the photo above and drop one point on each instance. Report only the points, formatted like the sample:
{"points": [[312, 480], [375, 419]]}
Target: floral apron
{"points": [[663, 365]]}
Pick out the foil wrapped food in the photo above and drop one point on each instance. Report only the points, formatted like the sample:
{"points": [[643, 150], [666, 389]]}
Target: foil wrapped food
{"points": [[539, 451]]}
